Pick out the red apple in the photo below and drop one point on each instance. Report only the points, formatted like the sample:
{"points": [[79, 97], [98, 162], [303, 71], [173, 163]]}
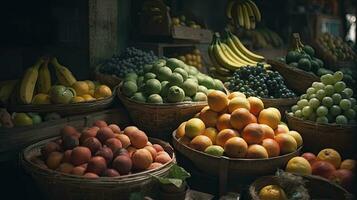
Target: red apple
{"points": [[343, 177], [309, 157], [322, 168]]}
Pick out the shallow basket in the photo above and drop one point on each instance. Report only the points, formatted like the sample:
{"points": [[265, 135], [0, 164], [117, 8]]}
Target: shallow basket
{"points": [[319, 136], [107, 79], [160, 119], [296, 79], [234, 167], [318, 188], [58, 186]]}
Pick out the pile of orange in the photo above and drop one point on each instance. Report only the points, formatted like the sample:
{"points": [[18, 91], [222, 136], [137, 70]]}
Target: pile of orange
{"points": [[238, 127]]}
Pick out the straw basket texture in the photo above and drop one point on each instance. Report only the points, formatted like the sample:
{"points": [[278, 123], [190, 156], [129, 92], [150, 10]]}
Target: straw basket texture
{"points": [[56, 185], [318, 188], [296, 79], [107, 79], [319, 136], [160, 119], [234, 167]]}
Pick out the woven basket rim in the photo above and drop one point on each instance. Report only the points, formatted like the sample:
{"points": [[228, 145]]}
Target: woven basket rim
{"points": [[233, 159], [311, 123], [27, 163]]}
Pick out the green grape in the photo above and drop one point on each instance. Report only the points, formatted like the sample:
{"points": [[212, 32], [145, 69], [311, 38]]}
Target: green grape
{"points": [[338, 76], [303, 96], [318, 85], [322, 120], [314, 103], [329, 89], [335, 110], [327, 101], [302, 103], [320, 94], [310, 91], [345, 104], [306, 111], [341, 119], [298, 113], [350, 114], [347, 93], [336, 98], [321, 111], [312, 96], [327, 79], [339, 86], [294, 108]]}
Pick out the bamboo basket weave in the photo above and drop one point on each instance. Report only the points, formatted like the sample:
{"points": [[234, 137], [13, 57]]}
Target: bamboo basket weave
{"points": [[160, 119], [296, 79], [234, 167], [319, 136], [58, 186], [318, 188], [107, 79]]}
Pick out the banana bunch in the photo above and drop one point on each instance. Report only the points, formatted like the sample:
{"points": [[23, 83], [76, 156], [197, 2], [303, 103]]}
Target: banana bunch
{"points": [[230, 55], [6, 89], [243, 12], [43, 84], [63, 74]]}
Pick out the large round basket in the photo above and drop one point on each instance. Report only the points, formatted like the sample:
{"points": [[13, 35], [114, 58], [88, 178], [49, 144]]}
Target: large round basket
{"points": [[107, 79], [159, 120], [319, 136], [318, 188], [234, 167], [58, 186], [65, 109], [296, 79]]}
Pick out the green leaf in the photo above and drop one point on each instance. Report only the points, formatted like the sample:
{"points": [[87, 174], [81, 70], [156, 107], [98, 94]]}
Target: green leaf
{"points": [[178, 172], [174, 181]]}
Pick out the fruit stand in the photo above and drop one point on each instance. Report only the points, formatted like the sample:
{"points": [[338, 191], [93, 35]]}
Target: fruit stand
{"points": [[179, 99]]}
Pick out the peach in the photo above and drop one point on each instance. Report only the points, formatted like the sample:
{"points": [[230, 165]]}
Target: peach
{"points": [[225, 135], [122, 164], [209, 117], [141, 159], [242, 117], [104, 134], [256, 105], [180, 131], [49, 148], [238, 102], [331, 156], [106, 153], [121, 151], [235, 147], [286, 142], [154, 165], [299, 165], [131, 150], [65, 168], [124, 139], [67, 156], [69, 130], [92, 144], [200, 142], [296, 136], [281, 128], [80, 155], [87, 133], [152, 151], [348, 164], [90, 175], [79, 170], [54, 160], [97, 165], [69, 142], [322, 168], [342, 177], [211, 133], [115, 128], [256, 151], [162, 157], [138, 139], [309, 157], [158, 147], [268, 132], [110, 173], [113, 144], [272, 147], [128, 130], [100, 123], [253, 133], [224, 122]]}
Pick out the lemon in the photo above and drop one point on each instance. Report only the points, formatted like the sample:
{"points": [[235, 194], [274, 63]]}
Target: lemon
{"points": [[299, 165], [102, 91], [78, 99], [272, 192], [22, 119], [81, 87], [88, 97], [41, 98], [91, 87]]}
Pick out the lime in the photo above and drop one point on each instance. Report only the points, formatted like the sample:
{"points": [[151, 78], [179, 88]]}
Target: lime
{"points": [[155, 98], [314, 103], [350, 114], [202, 88], [164, 88], [140, 81], [175, 94], [208, 82], [164, 73], [292, 56], [321, 111], [306, 111], [152, 86], [318, 85], [147, 68], [200, 96], [339, 86], [304, 64], [149, 76], [309, 50], [323, 120], [183, 73], [174, 63], [335, 110], [190, 87], [345, 104], [310, 91], [336, 98], [194, 78], [302, 103], [298, 113], [192, 70], [295, 108], [129, 88], [139, 97], [329, 90], [338, 76], [347, 93], [327, 101], [36, 118], [341, 119], [22, 119], [132, 76], [187, 98], [214, 150], [176, 79], [218, 84]]}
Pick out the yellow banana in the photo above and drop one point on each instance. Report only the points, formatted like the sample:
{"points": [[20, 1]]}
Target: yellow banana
{"points": [[63, 74], [6, 89], [229, 7], [214, 73], [245, 51], [250, 15], [247, 24], [211, 55], [255, 9], [44, 79], [223, 60], [240, 14], [230, 55], [231, 44], [28, 82]]}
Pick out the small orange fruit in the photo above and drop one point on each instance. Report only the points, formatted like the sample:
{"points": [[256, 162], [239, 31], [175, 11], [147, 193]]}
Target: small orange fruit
{"points": [[238, 102], [180, 132], [81, 87], [236, 94], [223, 122], [102, 91], [281, 129], [209, 117], [268, 132], [242, 117], [269, 117], [217, 100], [225, 135], [211, 133], [256, 151], [256, 105], [200, 142], [235, 147]]}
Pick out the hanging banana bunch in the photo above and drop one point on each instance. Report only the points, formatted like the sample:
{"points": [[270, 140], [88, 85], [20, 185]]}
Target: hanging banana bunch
{"points": [[243, 12]]}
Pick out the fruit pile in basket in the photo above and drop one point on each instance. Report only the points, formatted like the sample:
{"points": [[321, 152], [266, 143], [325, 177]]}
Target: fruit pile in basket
{"points": [[328, 101], [238, 127], [259, 82], [102, 150], [193, 58], [327, 164], [169, 81], [183, 21]]}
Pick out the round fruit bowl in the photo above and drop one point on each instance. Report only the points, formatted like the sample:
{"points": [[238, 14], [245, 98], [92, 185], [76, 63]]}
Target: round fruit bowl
{"points": [[57, 185], [318, 136], [296, 79], [159, 119], [318, 188], [234, 167], [107, 79], [65, 109]]}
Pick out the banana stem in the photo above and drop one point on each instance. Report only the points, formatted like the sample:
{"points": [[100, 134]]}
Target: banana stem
{"points": [[54, 61], [38, 63]]}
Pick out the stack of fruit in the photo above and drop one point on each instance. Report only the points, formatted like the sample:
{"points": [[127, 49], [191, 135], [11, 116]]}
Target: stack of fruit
{"points": [[36, 86], [238, 127], [327, 164], [193, 58], [102, 150], [335, 48], [229, 56], [264, 38], [328, 101], [182, 21], [169, 81], [244, 13], [259, 82], [130, 60]]}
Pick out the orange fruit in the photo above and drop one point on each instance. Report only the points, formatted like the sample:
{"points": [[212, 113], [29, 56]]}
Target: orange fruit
{"points": [[269, 117], [349, 164], [225, 135], [236, 94], [217, 100], [256, 151], [238, 102], [331, 156], [268, 132], [200, 142], [299, 165], [253, 133], [211, 133], [81, 87], [88, 97], [235, 147], [297, 137], [281, 129], [209, 117], [180, 132], [287, 143], [194, 127], [102, 91], [223, 122], [256, 105], [271, 146], [241, 117], [275, 110]]}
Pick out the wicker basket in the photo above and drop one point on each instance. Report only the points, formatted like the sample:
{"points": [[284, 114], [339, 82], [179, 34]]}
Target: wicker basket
{"points": [[56, 185], [109, 80], [319, 136], [318, 188], [296, 79], [66, 109], [161, 119], [234, 167]]}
